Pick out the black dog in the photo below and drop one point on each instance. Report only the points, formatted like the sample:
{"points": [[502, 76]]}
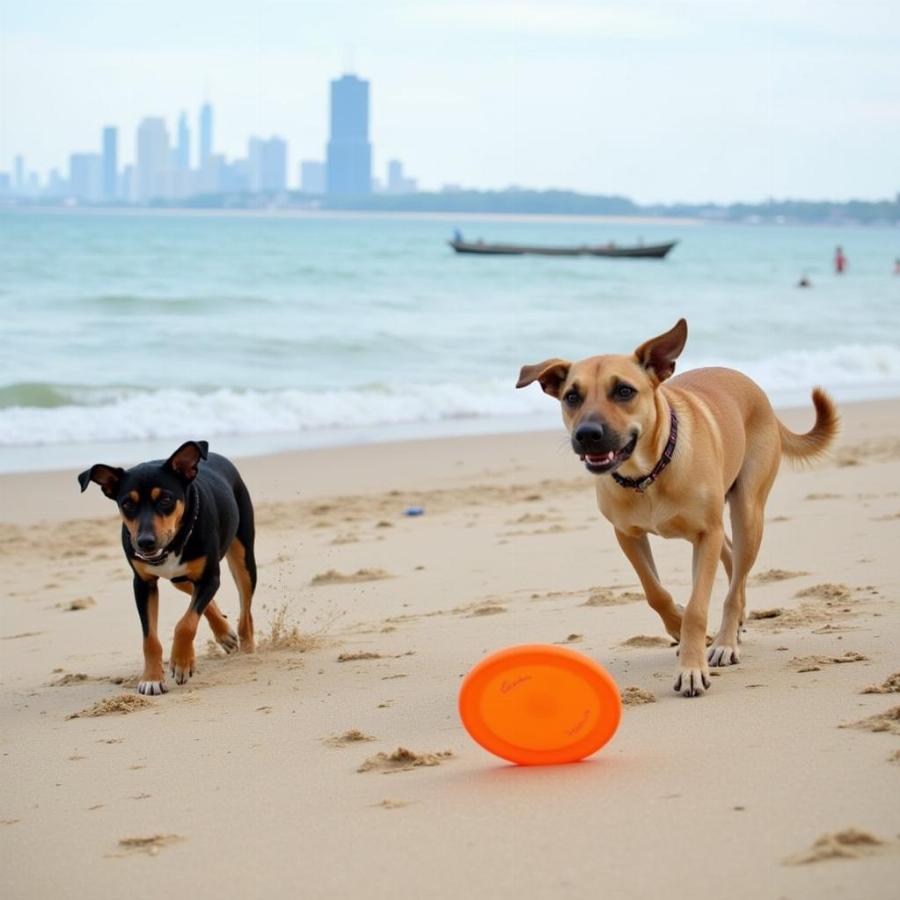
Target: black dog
{"points": [[180, 518]]}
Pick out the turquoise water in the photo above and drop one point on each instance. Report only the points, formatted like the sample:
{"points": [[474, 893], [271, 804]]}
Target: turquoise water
{"points": [[268, 331]]}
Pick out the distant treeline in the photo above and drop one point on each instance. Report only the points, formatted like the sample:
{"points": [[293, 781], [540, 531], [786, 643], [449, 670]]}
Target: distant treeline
{"points": [[866, 212], [524, 202], [510, 201], [570, 203]]}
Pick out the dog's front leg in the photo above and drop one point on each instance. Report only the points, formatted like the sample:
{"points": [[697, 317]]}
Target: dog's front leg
{"points": [[639, 554], [146, 596], [693, 671], [181, 662]]}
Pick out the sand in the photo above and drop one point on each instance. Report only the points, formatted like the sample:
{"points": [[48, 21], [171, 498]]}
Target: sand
{"points": [[247, 782]]}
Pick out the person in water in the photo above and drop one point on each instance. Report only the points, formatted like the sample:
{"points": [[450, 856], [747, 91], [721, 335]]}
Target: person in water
{"points": [[804, 281], [840, 261]]}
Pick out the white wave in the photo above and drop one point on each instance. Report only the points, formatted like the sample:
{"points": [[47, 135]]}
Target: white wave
{"points": [[112, 415], [173, 413], [849, 365]]}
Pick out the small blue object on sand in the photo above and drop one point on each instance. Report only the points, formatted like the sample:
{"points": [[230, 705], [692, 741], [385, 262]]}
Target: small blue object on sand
{"points": [[414, 511]]}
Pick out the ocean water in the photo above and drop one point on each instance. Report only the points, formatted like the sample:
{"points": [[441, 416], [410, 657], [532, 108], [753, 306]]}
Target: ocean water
{"points": [[125, 333]]}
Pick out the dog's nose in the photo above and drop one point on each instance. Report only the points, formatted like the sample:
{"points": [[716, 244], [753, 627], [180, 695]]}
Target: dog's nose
{"points": [[146, 541], [588, 435]]}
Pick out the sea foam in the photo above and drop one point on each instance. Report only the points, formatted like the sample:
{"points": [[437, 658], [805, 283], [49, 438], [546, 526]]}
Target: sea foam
{"points": [[113, 413]]}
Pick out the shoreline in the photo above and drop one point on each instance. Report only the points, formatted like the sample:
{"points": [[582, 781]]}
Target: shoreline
{"points": [[23, 459], [752, 220], [364, 214], [347, 468]]}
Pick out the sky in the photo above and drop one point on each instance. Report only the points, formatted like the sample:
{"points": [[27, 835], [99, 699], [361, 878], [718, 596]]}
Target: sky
{"points": [[658, 100]]}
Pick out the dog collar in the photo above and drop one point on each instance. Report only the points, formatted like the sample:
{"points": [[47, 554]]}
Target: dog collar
{"points": [[641, 484]]}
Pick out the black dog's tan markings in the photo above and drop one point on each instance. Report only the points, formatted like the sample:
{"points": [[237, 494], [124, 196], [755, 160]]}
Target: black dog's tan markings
{"points": [[180, 517], [243, 570]]}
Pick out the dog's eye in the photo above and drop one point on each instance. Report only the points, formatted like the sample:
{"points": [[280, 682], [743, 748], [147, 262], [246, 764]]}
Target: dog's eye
{"points": [[624, 392], [166, 504], [572, 398], [129, 507]]}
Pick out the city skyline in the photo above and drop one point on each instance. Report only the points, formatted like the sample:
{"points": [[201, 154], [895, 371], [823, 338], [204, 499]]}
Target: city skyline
{"points": [[166, 168], [697, 100]]}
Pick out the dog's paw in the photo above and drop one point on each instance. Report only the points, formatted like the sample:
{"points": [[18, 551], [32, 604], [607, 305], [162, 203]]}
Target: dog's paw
{"points": [[181, 670], [228, 641], [723, 654], [152, 688], [691, 682]]}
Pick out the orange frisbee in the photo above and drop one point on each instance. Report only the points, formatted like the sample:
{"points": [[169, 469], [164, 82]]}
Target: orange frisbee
{"points": [[538, 704]]}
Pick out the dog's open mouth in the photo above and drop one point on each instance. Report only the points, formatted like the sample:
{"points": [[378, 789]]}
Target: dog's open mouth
{"points": [[600, 463], [151, 557]]}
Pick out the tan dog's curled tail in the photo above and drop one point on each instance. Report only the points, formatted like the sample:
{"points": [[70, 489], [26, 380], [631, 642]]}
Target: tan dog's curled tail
{"points": [[813, 444]]}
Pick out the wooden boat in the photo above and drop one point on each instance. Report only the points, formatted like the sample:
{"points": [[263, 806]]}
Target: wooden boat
{"points": [[640, 251]]}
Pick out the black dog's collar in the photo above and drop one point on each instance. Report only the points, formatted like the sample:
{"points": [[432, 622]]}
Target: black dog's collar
{"points": [[184, 535], [641, 484]]}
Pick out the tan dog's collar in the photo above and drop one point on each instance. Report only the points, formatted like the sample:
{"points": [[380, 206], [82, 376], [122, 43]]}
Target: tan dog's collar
{"points": [[641, 484]]}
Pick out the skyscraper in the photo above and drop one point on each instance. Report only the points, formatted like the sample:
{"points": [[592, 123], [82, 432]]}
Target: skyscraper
{"points": [[110, 163], [206, 135], [267, 164], [19, 173], [56, 185], [312, 176], [152, 160], [183, 149], [86, 176], [349, 151]]}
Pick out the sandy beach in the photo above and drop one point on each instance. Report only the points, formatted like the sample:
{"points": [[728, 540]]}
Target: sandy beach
{"points": [[278, 773]]}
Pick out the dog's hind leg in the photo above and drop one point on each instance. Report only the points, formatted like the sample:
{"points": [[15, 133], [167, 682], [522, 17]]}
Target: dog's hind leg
{"points": [[225, 635], [747, 501], [242, 563], [726, 555], [243, 570], [221, 629], [637, 549]]}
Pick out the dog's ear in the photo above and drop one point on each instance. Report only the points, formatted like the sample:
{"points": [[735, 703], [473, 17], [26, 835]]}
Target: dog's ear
{"points": [[185, 460], [108, 477], [658, 355], [551, 373]]}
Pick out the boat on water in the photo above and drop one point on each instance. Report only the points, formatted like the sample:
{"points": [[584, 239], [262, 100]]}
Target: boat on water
{"points": [[638, 251]]}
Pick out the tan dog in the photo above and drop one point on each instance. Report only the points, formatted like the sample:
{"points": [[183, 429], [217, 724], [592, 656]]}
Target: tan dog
{"points": [[674, 452]]}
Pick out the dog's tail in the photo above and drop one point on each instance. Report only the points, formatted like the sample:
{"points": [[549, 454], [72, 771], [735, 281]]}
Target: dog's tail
{"points": [[815, 442]]}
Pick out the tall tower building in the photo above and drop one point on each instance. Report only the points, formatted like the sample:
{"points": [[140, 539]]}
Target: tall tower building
{"points": [[19, 173], [349, 164], [152, 160], [183, 148], [86, 176], [206, 135], [110, 163], [312, 176]]}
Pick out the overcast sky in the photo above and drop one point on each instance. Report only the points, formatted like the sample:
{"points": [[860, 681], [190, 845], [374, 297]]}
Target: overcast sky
{"points": [[660, 100]]}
